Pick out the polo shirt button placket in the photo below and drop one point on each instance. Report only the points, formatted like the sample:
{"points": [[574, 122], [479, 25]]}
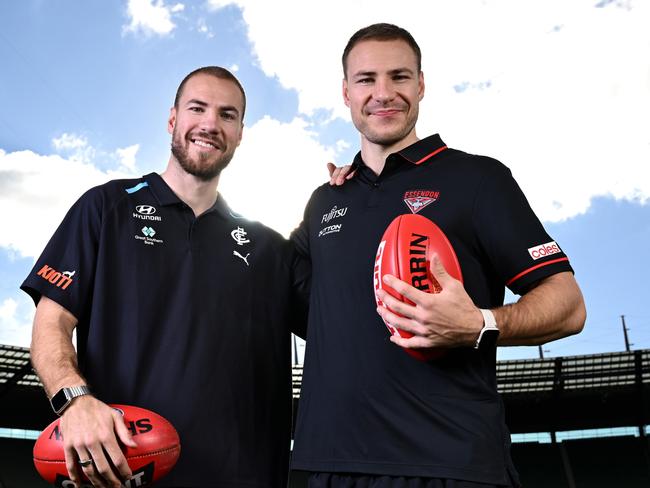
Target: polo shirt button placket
{"points": [[373, 200]]}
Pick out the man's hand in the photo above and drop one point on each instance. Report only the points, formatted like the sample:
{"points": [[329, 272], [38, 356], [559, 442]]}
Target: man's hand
{"points": [[90, 430], [446, 319], [338, 176]]}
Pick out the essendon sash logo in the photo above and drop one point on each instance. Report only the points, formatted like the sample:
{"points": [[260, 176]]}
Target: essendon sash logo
{"points": [[416, 200], [57, 278]]}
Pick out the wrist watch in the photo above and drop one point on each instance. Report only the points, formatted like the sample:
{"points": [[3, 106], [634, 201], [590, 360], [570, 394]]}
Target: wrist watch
{"points": [[64, 396], [489, 333]]}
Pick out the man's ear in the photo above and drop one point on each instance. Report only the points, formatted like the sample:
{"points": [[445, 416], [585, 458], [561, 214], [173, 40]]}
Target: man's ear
{"points": [[171, 122], [344, 90]]}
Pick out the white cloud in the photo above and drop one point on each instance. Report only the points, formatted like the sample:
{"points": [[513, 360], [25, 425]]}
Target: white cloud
{"points": [[43, 187], [151, 17], [75, 147], [274, 172], [15, 321], [126, 156], [559, 91]]}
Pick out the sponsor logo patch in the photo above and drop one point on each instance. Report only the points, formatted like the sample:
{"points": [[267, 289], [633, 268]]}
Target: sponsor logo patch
{"points": [[330, 229], [148, 236], [416, 200], [146, 212], [243, 258], [335, 213], [543, 250], [59, 279], [239, 235]]}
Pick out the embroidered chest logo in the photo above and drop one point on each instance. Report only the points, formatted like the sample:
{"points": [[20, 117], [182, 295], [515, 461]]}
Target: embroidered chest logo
{"points": [[147, 236], [239, 235], [333, 214], [146, 212], [243, 258], [416, 200]]}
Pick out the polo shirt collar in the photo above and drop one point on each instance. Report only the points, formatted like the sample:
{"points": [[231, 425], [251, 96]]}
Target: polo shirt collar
{"points": [[161, 190], [417, 153], [165, 196]]}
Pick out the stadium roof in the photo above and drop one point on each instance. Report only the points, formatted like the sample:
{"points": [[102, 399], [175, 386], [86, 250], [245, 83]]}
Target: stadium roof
{"points": [[541, 395]]}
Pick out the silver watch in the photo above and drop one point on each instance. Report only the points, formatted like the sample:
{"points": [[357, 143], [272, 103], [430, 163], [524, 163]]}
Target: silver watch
{"points": [[490, 332], [64, 396]]}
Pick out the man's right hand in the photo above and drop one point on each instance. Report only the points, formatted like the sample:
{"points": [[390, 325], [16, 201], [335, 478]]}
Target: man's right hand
{"points": [[338, 176], [91, 430]]}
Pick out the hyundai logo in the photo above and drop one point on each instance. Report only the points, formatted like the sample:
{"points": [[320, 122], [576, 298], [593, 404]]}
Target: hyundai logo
{"points": [[146, 209]]}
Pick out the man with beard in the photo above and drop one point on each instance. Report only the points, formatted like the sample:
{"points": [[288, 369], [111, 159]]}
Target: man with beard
{"points": [[169, 292], [371, 415]]}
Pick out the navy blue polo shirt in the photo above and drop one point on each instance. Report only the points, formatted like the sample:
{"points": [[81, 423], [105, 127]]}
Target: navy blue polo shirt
{"points": [[366, 406], [187, 316]]}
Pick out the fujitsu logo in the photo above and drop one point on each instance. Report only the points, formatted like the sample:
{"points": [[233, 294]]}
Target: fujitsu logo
{"points": [[60, 279], [334, 214], [543, 250]]}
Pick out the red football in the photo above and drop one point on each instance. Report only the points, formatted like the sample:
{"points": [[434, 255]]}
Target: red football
{"points": [[157, 452], [405, 251]]}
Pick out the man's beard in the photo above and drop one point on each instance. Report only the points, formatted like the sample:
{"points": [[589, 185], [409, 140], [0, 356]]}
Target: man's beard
{"points": [[200, 168]]}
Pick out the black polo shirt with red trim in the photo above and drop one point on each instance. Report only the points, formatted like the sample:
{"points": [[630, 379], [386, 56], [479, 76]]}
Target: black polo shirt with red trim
{"points": [[187, 316], [366, 406]]}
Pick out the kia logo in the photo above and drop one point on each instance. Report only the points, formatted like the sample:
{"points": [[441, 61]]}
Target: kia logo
{"points": [[146, 209]]}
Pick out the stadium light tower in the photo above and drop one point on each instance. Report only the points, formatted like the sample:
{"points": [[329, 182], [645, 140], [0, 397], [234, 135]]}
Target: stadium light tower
{"points": [[627, 342]]}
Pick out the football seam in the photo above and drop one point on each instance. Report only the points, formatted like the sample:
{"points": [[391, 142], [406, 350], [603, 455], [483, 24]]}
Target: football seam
{"points": [[161, 451]]}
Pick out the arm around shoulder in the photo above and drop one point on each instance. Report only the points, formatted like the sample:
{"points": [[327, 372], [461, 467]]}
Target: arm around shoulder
{"points": [[554, 308]]}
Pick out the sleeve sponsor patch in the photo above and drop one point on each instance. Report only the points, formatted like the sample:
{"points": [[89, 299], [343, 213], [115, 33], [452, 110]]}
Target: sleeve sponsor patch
{"points": [[543, 250]]}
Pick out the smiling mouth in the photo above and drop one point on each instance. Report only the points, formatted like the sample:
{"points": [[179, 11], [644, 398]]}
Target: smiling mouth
{"points": [[385, 112], [204, 144]]}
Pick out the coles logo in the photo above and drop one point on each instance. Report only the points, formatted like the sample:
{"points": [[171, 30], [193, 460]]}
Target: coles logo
{"points": [[60, 279], [543, 250]]}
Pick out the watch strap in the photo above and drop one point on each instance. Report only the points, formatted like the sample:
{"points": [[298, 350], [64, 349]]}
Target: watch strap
{"points": [[489, 327]]}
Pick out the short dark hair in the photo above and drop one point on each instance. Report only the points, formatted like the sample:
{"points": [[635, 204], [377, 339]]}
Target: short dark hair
{"points": [[217, 72], [381, 32]]}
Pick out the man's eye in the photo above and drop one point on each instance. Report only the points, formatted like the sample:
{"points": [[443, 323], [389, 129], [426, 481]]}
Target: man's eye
{"points": [[365, 81], [229, 116], [196, 109]]}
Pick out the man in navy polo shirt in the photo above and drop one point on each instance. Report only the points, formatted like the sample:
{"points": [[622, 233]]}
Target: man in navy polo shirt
{"points": [[371, 415], [179, 305]]}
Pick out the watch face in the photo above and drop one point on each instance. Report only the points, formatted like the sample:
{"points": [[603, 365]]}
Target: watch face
{"points": [[59, 400], [489, 338]]}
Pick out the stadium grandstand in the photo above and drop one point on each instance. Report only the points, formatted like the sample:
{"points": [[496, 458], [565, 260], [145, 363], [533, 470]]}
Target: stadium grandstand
{"points": [[576, 421]]}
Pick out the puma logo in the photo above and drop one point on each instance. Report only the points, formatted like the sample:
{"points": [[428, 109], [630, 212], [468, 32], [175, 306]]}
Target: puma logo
{"points": [[244, 258]]}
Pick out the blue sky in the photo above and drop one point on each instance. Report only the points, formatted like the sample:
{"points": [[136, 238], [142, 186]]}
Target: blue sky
{"points": [[560, 93]]}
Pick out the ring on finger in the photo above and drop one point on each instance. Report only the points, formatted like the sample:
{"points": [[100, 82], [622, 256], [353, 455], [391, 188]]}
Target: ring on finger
{"points": [[85, 463]]}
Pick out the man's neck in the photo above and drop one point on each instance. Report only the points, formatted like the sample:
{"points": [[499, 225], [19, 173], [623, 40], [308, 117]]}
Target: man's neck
{"points": [[374, 155], [199, 195]]}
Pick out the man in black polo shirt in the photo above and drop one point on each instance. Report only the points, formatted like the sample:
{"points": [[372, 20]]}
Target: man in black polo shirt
{"points": [[179, 305], [371, 415]]}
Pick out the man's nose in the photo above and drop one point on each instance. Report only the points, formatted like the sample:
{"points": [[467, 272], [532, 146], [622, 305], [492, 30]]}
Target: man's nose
{"points": [[384, 90]]}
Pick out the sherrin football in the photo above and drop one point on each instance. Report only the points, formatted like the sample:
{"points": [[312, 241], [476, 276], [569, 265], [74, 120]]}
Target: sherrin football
{"points": [[405, 251], [157, 452]]}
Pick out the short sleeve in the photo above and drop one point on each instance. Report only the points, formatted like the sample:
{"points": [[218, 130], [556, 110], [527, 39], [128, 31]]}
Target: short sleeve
{"points": [[515, 241], [65, 270]]}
